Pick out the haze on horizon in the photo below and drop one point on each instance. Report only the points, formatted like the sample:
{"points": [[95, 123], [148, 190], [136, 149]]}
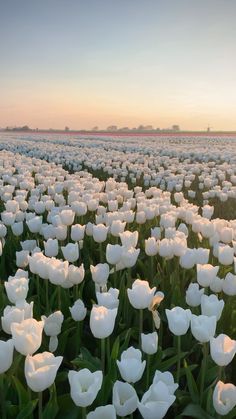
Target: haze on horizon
{"points": [[125, 62]]}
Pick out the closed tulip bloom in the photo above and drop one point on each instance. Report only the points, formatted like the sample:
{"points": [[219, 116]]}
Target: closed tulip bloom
{"points": [[222, 349], [78, 311], [113, 253], [166, 248], [129, 256], [103, 412], [151, 246], [131, 366], [67, 217], [17, 228], [229, 284], [35, 224], [224, 398], [193, 295], [22, 258], [188, 260], [156, 401], [129, 239], [51, 247], [71, 252], [141, 295], [53, 323], [117, 227], [149, 343], [226, 255], [17, 289], [178, 320], [100, 233], [41, 370], [6, 354], [76, 274], [102, 321], [108, 299], [203, 328], [124, 398], [27, 336], [212, 306], [100, 273], [201, 255], [84, 386], [216, 285], [16, 314], [77, 232], [206, 274]]}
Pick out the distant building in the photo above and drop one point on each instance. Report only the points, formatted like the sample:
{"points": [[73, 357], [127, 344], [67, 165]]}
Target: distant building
{"points": [[112, 128], [67, 129], [175, 128]]}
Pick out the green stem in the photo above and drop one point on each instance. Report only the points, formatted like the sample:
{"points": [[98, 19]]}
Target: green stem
{"points": [[59, 296], [2, 397], [178, 362], [140, 325], [78, 337], [47, 300], [203, 369], [103, 354], [38, 290], [108, 353], [100, 253], [83, 413], [148, 371], [40, 405]]}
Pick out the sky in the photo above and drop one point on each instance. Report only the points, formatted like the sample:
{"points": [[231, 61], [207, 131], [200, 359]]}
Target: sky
{"points": [[86, 63]]}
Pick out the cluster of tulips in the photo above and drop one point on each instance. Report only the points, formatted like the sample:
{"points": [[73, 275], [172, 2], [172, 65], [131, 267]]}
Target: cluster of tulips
{"points": [[201, 167], [115, 300]]}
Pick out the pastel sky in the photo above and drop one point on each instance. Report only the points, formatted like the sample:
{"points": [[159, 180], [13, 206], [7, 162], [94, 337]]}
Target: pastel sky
{"points": [[83, 63]]}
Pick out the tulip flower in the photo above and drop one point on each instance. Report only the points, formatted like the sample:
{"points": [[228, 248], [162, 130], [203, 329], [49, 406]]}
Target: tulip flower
{"points": [[212, 306], [84, 386], [131, 366], [224, 398], [156, 401], [178, 320], [140, 295], [6, 354], [103, 412], [222, 349], [100, 273], [41, 370], [27, 336], [149, 343], [124, 398], [71, 252], [78, 311], [102, 321], [193, 295], [203, 327]]}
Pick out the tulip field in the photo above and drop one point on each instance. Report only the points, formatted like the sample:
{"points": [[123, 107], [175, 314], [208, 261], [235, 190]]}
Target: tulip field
{"points": [[118, 276]]}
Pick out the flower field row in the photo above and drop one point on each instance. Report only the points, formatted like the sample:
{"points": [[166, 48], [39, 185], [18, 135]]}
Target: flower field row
{"points": [[118, 278]]}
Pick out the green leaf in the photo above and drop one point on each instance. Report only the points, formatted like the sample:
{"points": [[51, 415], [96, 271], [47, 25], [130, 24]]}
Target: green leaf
{"points": [[51, 408], [195, 411], [28, 409], [171, 361], [192, 386], [115, 348], [21, 391], [86, 360], [67, 408]]}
